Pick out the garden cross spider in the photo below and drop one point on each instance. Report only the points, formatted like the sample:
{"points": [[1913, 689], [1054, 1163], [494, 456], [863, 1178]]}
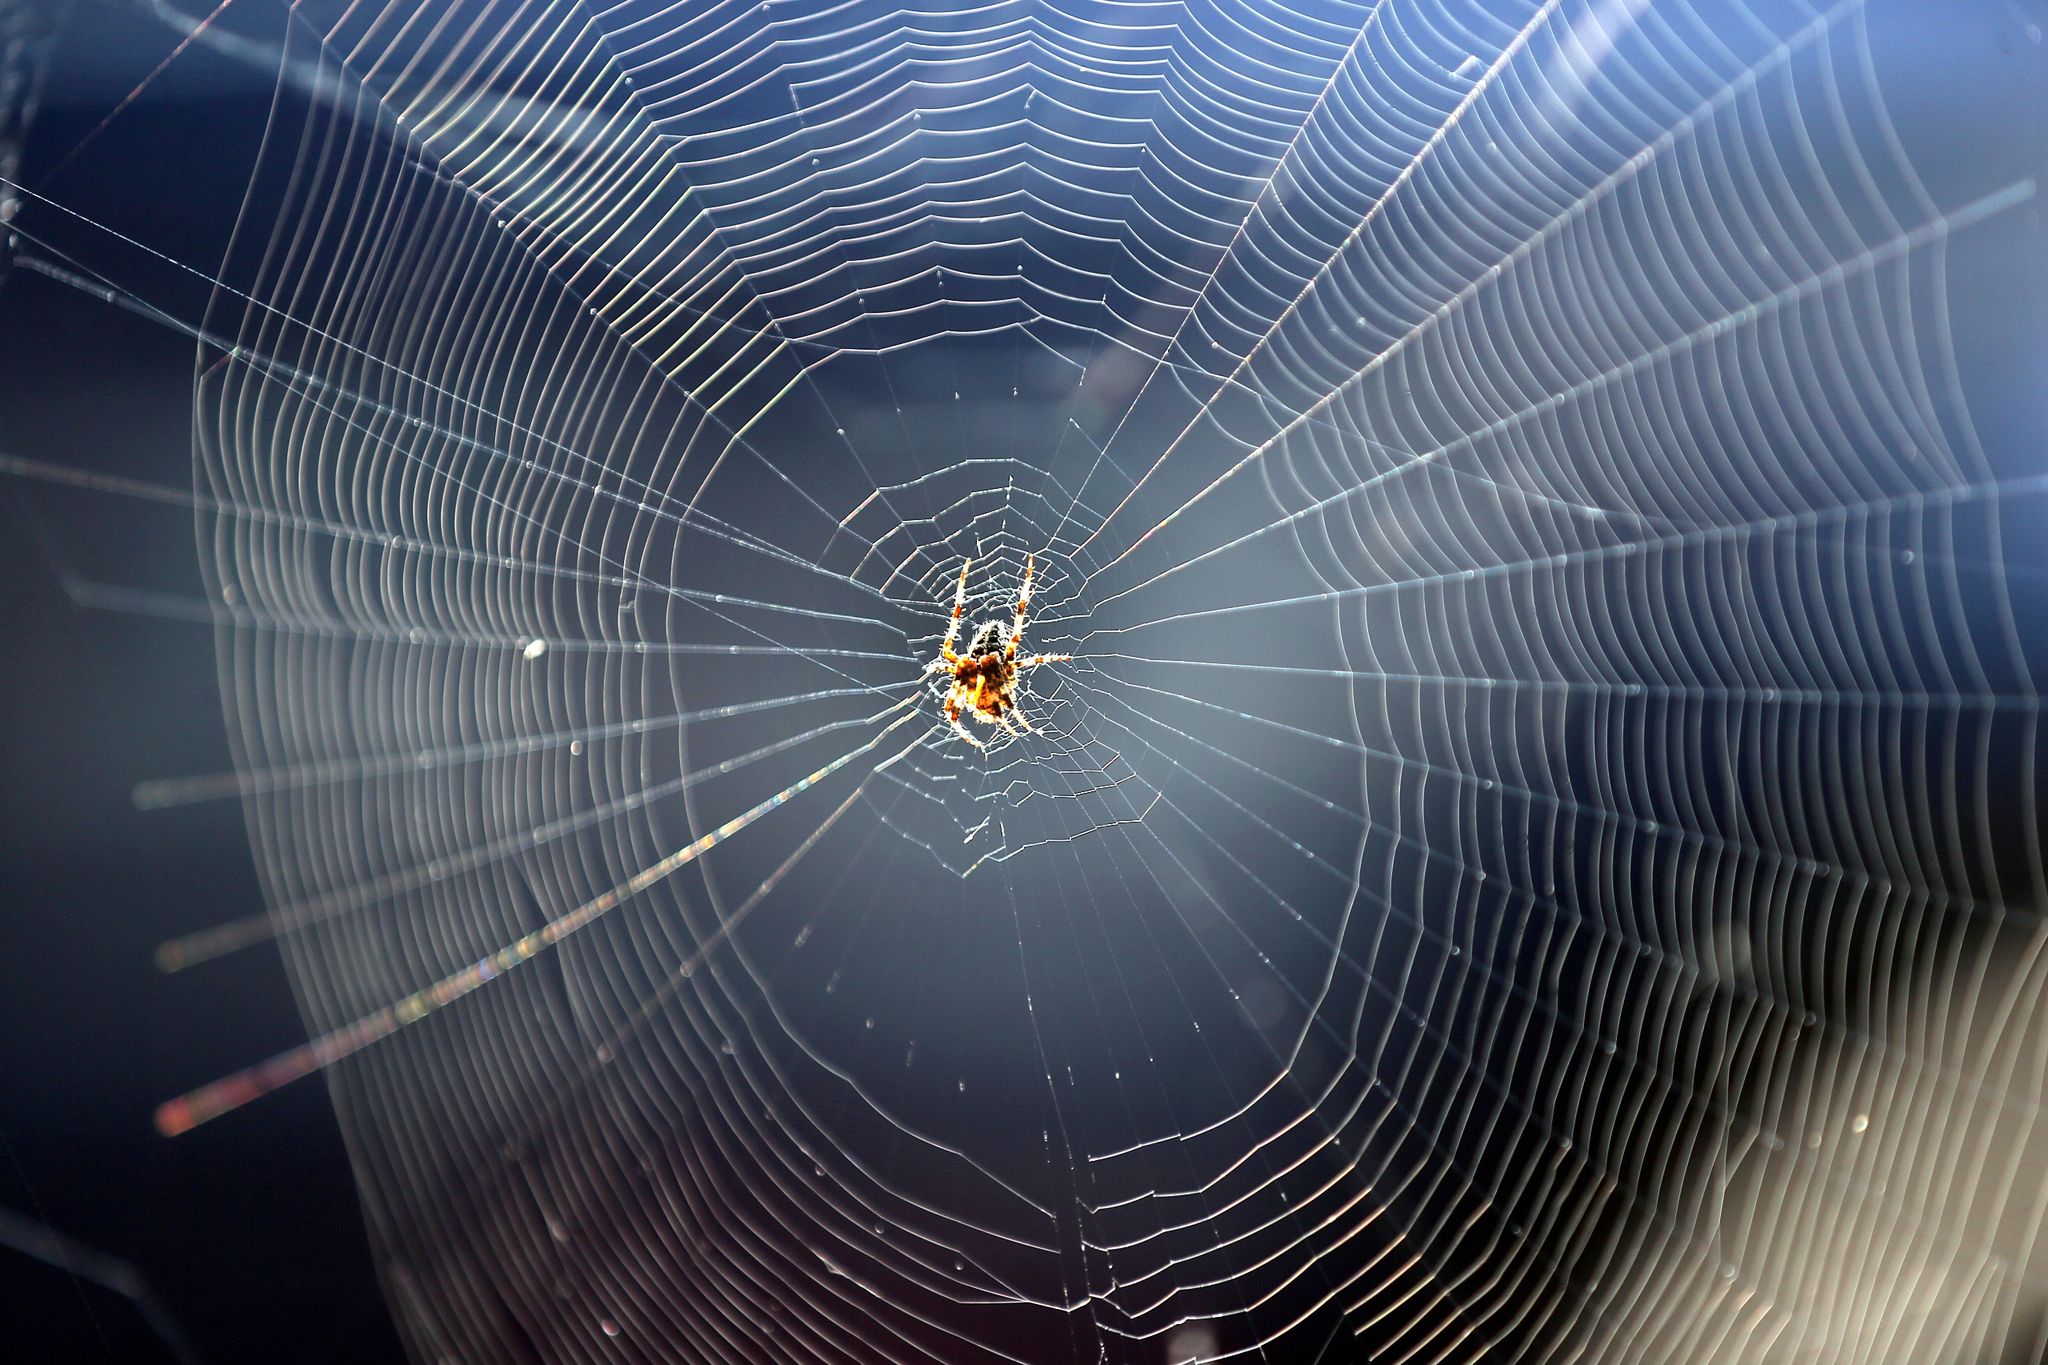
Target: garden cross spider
{"points": [[985, 677]]}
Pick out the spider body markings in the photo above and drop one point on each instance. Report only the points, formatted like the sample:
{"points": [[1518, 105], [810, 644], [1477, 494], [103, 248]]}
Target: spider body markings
{"points": [[984, 677]]}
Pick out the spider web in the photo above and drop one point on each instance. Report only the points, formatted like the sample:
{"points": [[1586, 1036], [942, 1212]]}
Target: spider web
{"points": [[1536, 852]]}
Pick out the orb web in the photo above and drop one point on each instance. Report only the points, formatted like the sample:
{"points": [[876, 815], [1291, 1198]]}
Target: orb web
{"points": [[1531, 854]]}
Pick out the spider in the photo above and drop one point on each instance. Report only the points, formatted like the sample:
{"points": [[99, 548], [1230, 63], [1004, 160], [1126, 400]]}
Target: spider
{"points": [[984, 678]]}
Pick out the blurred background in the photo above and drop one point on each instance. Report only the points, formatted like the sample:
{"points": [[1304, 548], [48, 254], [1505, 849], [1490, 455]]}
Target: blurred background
{"points": [[249, 1239]]}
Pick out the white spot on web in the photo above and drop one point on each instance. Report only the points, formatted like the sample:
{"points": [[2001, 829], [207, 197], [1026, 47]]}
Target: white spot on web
{"points": [[1195, 1341]]}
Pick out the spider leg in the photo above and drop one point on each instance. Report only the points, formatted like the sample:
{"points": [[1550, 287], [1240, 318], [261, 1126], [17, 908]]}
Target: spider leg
{"points": [[953, 719], [966, 733], [1023, 605], [1037, 659], [959, 606]]}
